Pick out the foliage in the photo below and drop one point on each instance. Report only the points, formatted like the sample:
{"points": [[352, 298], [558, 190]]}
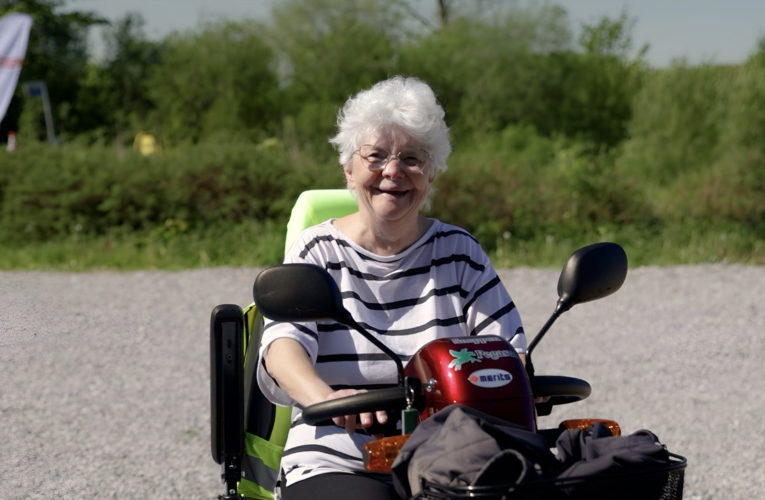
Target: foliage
{"points": [[520, 66], [215, 84], [492, 67], [536, 185], [330, 49], [562, 140], [489, 72], [695, 143], [326, 51], [114, 98], [597, 87], [49, 193]]}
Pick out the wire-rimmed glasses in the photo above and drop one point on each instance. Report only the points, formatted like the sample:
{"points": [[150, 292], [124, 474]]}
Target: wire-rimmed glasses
{"points": [[410, 159]]}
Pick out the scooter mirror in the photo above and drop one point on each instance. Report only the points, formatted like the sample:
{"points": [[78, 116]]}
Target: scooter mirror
{"points": [[305, 292], [591, 273], [298, 292]]}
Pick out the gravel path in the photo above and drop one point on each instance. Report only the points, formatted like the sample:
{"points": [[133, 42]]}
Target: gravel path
{"points": [[105, 376]]}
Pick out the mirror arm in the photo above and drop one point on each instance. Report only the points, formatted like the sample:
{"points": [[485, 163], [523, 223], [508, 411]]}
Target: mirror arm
{"points": [[542, 332], [529, 362], [563, 306], [348, 320]]}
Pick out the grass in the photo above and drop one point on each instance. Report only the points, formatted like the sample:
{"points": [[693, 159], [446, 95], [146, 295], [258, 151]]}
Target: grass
{"points": [[261, 244], [673, 244], [248, 244]]}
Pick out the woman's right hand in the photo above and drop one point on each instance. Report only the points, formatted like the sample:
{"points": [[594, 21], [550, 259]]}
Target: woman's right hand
{"points": [[288, 363], [349, 421]]}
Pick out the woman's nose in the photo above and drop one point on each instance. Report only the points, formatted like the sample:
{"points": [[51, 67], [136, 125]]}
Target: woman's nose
{"points": [[393, 171]]}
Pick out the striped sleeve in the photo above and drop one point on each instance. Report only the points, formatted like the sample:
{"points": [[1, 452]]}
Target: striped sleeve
{"points": [[305, 334]]}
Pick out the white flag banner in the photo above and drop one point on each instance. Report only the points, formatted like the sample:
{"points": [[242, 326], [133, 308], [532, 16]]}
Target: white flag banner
{"points": [[14, 35]]}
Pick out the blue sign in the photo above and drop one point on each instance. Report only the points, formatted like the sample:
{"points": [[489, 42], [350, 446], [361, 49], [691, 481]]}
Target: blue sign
{"points": [[35, 89]]}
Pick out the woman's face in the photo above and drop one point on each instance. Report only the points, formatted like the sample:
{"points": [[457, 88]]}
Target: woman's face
{"points": [[391, 194]]}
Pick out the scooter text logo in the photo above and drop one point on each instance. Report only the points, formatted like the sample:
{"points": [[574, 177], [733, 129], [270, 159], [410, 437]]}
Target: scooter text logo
{"points": [[494, 355], [474, 340], [490, 378], [462, 357]]}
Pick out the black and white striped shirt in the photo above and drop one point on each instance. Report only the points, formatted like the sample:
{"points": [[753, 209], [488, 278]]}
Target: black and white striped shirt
{"points": [[441, 286]]}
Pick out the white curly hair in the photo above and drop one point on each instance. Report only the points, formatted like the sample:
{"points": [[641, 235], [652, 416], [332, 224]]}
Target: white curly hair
{"points": [[407, 103]]}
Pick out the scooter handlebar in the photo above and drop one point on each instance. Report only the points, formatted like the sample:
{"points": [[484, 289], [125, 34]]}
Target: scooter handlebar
{"points": [[391, 399], [562, 390]]}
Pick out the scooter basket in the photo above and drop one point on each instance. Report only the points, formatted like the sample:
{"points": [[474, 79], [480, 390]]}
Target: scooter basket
{"points": [[665, 483]]}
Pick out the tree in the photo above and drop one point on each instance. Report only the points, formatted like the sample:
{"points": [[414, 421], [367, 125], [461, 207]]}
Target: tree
{"points": [[487, 67], [599, 82], [215, 82], [115, 93], [331, 49]]}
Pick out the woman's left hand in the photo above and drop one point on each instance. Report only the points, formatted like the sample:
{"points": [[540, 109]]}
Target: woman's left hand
{"points": [[349, 421]]}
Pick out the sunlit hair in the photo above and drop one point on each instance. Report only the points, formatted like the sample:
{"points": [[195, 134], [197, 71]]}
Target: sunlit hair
{"points": [[408, 104]]}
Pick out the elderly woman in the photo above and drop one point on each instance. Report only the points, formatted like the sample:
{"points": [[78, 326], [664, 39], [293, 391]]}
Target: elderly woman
{"points": [[407, 278]]}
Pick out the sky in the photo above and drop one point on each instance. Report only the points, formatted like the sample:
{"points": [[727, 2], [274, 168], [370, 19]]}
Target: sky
{"points": [[720, 31]]}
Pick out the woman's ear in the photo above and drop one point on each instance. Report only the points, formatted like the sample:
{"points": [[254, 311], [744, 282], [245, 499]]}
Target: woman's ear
{"points": [[348, 171]]}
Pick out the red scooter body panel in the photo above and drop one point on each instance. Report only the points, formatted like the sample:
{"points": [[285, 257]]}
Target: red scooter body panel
{"points": [[482, 372]]}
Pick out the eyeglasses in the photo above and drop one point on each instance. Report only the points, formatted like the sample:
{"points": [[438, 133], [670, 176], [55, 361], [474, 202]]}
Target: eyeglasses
{"points": [[375, 158]]}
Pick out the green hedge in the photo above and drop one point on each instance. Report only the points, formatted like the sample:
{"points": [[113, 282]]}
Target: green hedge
{"points": [[515, 182], [57, 192], [694, 158]]}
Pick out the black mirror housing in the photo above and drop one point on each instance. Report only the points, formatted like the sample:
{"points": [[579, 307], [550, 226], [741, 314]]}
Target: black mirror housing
{"points": [[298, 292], [591, 273]]}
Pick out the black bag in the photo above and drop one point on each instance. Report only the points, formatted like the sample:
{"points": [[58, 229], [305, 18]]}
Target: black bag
{"points": [[460, 447]]}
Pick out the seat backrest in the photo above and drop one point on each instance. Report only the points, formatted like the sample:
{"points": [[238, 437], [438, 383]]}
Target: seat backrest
{"points": [[266, 425], [316, 206]]}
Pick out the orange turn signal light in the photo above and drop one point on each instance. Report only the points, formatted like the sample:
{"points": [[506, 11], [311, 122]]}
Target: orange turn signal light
{"points": [[382, 452], [585, 423]]}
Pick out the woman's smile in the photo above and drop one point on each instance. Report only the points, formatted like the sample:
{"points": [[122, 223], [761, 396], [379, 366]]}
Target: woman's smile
{"points": [[396, 193]]}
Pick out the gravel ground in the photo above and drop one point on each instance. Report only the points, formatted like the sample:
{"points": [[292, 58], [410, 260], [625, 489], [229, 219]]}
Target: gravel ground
{"points": [[105, 376]]}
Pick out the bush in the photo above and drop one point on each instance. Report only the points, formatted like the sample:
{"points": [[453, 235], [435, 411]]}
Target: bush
{"points": [[695, 146], [54, 192], [524, 184]]}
